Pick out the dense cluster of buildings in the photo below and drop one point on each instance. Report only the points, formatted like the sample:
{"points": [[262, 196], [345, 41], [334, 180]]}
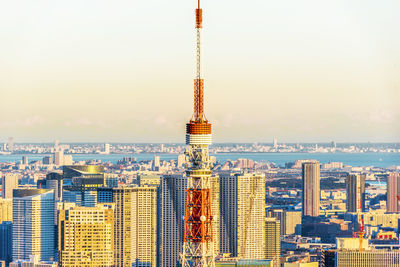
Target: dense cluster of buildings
{"points": [[131, 214], [172, 148]]}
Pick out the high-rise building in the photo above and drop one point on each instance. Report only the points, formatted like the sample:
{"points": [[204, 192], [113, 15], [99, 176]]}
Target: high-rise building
{"points": [[181, 160], [156, 163], [10, 144], [275, 142], [173, 188], [6, 242], [273, 240], [47, 160], [106, 148], [9, 183], [311, 188], [122, 197], [86, 236], [25, 160], [368, 258], [53, 181], [59, 157], [242, 209], [33, 224], [56, 144], [80, 183], [393, 192], [144, 226], [33, 262], [288, 220], [236, 262], [5, 210], [355, 189]]}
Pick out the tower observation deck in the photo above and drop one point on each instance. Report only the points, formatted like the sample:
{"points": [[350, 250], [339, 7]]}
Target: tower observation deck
{"points": [[198, 248]]}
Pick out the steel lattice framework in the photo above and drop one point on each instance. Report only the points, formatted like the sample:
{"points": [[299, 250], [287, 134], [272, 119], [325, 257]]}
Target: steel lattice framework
{"points": [[198, 248]]}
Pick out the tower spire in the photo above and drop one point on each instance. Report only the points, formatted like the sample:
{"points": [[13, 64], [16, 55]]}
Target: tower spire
{"points": [[198, 248]]}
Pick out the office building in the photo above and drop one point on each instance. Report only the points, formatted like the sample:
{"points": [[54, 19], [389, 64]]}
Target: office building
{"points": [[144, 226], [80, 183], [156, 163], [173, 189], [289, 220], [33, 262], [53, 181], [122, 197], [367, 258], [301, 264], [10, 144], [9, 183], [6, 242], [33, 224], [355, 189], [311, 188], [5, 210], [47, 160], [59, 157], [236, 262], [86, 236], [181, 161], [393, 193], [242, 211], [106, 148], [273, 240]]}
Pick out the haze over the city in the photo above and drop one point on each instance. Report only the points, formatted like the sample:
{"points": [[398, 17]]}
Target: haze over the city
{"points": [[297, 70]]}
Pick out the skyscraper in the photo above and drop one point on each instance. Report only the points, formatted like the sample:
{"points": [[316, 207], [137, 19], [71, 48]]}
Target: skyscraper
{"points": [[6, 242], [156, 163], [80, 183], [106, 148], [242, 209], [393, 192], [173, 201], [173, 190], [10, 144], [86, 236], [5, 210], [33, 224], [288, 220], [355, 189], [9, 183], [311, 188], [273, 240], [59, 157], [181, 160], [144, 226], [122, 198]]}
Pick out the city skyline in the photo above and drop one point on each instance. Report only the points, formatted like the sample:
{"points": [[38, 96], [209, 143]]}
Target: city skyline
{"points": [[64, 60]]}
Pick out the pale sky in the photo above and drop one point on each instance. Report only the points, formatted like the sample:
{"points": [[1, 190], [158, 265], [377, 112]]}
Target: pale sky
{"points": [[122, 71]]}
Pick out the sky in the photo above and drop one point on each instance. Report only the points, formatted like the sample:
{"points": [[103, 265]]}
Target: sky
{"points": [[122, 71]]}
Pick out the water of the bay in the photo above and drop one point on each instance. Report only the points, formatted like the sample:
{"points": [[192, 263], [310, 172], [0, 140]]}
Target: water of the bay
{"points": [[352, 159]]}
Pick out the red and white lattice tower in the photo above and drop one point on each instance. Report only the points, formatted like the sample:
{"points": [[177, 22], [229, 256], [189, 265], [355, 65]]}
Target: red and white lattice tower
{"points": [[198, 248]]}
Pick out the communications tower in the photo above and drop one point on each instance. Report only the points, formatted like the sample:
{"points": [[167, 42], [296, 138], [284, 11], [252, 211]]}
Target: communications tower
{"points": [[198, 248]]}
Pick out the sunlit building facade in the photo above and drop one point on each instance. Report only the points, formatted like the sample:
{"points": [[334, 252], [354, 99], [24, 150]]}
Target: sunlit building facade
{"points": [[86, 236]]}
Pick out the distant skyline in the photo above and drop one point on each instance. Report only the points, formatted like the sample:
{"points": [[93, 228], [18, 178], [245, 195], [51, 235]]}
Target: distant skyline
{"points": [[101, 71]]}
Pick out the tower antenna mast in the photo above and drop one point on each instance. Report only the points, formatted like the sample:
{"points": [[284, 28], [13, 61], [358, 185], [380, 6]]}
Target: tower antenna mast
{"points": [[198, 247]]}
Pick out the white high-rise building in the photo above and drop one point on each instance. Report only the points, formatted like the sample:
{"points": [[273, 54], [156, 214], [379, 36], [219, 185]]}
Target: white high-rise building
{"points": [[181, 160], [156, 162], [33, 224], [275, 142], [106, 148], [59, 158], [242, 208]]}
